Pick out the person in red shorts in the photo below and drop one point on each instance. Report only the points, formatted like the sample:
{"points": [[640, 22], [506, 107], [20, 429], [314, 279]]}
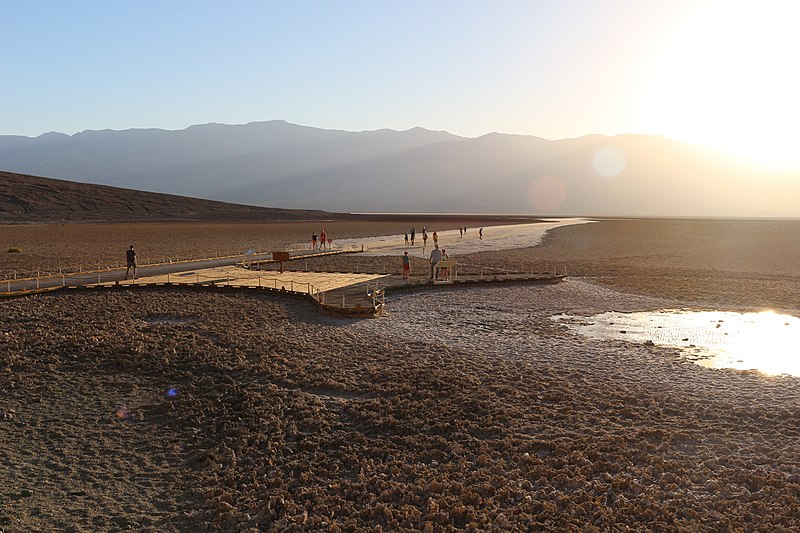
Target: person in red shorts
{"points": [[406, 265]]}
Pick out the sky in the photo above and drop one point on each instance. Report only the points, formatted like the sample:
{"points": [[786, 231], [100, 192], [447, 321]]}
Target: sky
{"points": [[717, 72]]}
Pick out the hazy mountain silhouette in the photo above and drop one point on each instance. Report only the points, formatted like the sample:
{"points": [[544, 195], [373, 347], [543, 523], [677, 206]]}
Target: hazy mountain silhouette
{"points": [[279, 164]]}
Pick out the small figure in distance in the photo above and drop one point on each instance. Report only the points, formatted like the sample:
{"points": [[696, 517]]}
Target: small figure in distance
{"points": [[413, 233], [424, 239], [435, 237], [406, 265], [130, 258], [314, 241], [460, 231], [406, 239], [480, 233], [323, 240], [436, 256]]}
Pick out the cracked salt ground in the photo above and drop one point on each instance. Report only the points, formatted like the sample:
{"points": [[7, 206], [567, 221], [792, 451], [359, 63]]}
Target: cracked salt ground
{"points": [[495, 238], [764, 341], [502, 321]]}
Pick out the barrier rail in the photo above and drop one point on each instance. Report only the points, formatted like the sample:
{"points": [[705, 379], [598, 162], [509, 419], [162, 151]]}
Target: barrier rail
{"points": [[348, 304], [22, 275]]}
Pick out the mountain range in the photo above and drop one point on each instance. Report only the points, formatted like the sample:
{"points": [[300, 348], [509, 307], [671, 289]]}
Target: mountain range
{"points": [[278, 164]]}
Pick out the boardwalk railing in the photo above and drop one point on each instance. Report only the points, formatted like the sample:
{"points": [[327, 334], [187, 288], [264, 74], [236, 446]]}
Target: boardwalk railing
{"points": [[143, 261], [349, 304]]}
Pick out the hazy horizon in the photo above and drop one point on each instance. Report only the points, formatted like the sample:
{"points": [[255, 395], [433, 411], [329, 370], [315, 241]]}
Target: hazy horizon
{"points": [[563, 70]]}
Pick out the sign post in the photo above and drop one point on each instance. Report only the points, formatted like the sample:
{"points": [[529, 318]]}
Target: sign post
{"points": [[280, 256]]}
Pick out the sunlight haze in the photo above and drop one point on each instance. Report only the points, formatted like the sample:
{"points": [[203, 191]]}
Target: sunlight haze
{"points": [[717, 73]]}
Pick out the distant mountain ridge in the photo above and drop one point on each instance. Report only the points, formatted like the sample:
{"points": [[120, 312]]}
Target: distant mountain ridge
{"points": [[276, 163]]}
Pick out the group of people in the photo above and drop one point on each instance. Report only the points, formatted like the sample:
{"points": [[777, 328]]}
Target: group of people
{"points": [[413, 233], [436, 257], [462, 230], [323, 242]]}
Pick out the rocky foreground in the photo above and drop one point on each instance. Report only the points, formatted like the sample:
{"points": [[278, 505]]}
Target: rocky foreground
{"points": [[207, 411]]}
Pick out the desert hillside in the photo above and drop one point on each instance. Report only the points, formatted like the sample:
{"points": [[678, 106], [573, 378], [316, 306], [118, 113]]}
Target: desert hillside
{"points": [[25, 198]]}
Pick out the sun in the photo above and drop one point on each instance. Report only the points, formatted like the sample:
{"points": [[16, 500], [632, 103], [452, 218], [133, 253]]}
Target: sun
{"points": [[726, 76]]}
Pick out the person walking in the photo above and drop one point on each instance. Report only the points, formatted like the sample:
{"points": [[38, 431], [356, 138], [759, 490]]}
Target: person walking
{"points": [[435, 237], [480, 233], [130, 259], [314, 241], [406, 239], [323, 240], [461, 231], [406, 265], [413, 233]]}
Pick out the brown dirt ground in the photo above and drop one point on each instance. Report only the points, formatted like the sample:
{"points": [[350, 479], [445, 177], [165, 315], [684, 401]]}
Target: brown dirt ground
{"points": [[286, 420], [714, 262], [49, 247]]}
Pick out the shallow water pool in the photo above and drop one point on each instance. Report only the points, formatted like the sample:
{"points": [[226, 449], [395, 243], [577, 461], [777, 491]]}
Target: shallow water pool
{"points": [[764, 341]]}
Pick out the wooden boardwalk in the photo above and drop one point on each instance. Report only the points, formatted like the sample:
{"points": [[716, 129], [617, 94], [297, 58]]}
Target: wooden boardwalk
{"points": [[339, 293]]}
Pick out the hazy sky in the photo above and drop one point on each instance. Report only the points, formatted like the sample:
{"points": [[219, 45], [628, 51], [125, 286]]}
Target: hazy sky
{"points": [[719, 72]]}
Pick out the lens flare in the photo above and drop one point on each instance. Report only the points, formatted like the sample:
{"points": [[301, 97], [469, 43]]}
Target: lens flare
{"points": [[609, 161], [547, 193]]}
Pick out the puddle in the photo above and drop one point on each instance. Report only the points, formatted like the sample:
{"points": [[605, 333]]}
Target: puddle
{"points": [[765, 341]]}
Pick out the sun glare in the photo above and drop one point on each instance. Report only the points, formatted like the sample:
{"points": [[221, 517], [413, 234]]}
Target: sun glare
{"points": [[727, 78]]}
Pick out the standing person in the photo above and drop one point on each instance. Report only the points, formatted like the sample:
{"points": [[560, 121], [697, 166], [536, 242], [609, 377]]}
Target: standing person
{"points": [[314, 241], [480, 233], [130, 258], [406, 239], [413, 232], [406, 265], [435, 237], [424, 239], [443, 272], [460, 231], [436, 256], [323, 240]]}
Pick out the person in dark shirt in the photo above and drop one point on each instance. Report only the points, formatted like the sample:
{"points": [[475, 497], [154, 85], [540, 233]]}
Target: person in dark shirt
{"points": [[130, 257]]}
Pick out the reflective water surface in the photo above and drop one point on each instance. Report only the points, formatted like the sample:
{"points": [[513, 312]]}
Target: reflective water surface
{"points": [[764, 341]]}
